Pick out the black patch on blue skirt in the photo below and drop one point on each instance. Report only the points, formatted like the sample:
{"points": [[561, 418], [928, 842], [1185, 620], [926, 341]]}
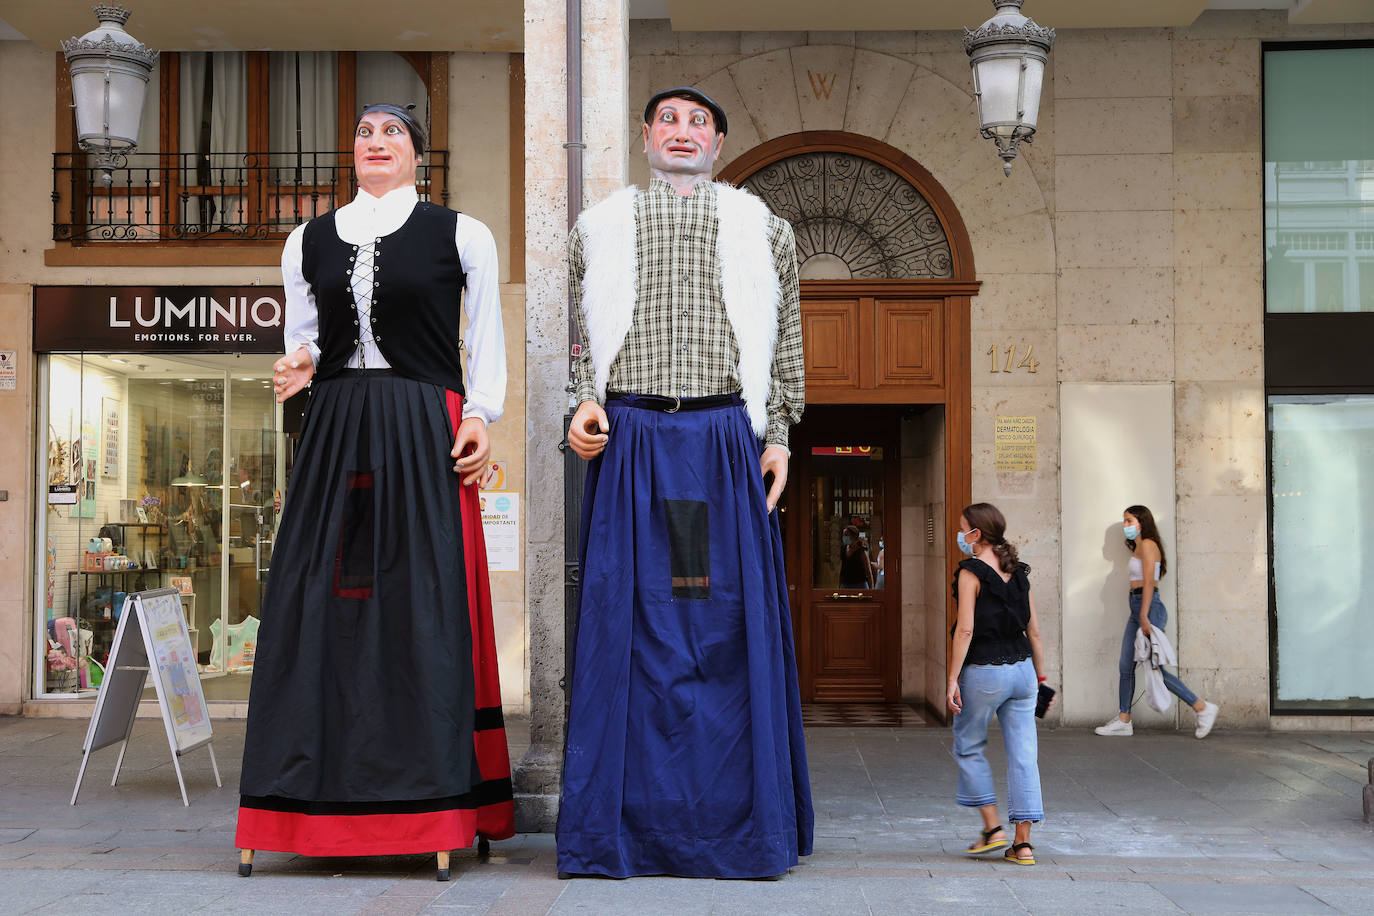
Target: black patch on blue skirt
{"points": [[689, 547]]}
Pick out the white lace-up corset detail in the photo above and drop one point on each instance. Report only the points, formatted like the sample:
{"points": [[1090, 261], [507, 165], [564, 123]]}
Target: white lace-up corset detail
{"points": [[363, 282]]}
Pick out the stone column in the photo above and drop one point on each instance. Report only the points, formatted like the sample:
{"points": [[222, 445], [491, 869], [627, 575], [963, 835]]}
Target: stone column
{"points": [[605, 66]]}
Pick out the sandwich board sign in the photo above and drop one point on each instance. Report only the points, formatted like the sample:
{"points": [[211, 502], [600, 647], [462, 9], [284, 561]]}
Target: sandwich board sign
{"points": [[151, 639]]}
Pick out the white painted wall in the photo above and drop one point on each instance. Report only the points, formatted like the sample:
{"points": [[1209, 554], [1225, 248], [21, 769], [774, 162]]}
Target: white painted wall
{"points": [[1117, 450]]}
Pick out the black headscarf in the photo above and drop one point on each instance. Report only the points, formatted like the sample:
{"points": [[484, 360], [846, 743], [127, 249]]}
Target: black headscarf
{"points": [[406, 115]]}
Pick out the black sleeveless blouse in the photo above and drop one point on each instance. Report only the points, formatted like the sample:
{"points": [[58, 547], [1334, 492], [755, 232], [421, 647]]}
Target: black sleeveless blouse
{"points": [[1000, 615]]}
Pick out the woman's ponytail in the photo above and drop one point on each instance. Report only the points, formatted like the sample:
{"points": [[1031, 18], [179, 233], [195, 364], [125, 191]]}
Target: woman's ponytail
{"points": [[988, 519]]}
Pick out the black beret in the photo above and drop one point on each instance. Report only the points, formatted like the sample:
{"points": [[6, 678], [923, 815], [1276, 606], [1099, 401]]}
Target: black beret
{"points": [[696, 95]]}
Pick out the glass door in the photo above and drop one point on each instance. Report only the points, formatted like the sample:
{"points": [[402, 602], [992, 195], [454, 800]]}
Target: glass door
{"points": [[252, 493], [850, 611]]}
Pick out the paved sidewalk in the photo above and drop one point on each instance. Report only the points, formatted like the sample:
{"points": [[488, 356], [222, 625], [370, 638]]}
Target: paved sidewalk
{"points": [[1243, 822]]}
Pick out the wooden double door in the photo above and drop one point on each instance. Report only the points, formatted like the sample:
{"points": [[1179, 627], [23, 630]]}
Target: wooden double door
{"points": [[874, 350]]}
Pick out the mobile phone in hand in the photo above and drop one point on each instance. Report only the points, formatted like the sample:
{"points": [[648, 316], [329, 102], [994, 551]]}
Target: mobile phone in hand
{"points": [[1042, 700]]}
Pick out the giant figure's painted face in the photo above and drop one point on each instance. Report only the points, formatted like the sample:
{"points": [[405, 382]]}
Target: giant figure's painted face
{"points": [[383, 154], [682, 138]]}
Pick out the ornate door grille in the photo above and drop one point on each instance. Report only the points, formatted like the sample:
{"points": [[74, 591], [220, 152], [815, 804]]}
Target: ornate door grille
{"points": [[854, 214]]}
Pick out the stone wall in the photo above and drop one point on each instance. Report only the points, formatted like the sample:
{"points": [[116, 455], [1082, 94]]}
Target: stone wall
{"points": [[1124, 248]]}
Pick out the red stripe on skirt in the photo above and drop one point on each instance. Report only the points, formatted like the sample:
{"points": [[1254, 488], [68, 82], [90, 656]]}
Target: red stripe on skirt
{"points": [[355, 834], [495, 821]]}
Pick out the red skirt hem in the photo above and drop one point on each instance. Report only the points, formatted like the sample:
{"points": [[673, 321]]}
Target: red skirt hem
{"points": [[353, 834]]}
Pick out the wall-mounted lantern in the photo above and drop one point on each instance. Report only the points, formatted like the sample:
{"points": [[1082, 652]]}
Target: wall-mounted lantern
{"points": [[110, 70], [1008, 54]]}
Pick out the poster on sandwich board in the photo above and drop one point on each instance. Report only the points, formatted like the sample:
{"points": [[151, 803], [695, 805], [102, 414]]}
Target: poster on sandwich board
{"points": [[151, 638]]}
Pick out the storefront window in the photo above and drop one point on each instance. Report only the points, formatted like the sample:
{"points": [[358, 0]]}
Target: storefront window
{"points": [[1319, 179], [1322, 490], [161, 471]]}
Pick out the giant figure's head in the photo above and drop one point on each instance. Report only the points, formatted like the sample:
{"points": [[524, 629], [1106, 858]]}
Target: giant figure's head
{"points": [[388, 142], [684, 130]]}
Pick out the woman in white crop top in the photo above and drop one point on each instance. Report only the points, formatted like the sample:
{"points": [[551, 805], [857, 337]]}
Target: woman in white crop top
{"points": [[1146, 567]]}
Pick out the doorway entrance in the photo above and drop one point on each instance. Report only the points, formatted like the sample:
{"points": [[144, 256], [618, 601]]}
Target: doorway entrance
{"points": [[866, 571], [844, 516], [887, 276]]}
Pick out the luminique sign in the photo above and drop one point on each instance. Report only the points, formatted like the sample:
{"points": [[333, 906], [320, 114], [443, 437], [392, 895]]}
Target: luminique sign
{"points": [[158, 319]]}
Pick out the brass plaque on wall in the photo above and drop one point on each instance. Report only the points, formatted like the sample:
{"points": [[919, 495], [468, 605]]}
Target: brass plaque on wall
{"points": [[1013, 443]]}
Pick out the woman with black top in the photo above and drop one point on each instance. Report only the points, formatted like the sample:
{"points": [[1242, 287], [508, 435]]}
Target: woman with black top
{"points": [[996, 663], [374, 723]]}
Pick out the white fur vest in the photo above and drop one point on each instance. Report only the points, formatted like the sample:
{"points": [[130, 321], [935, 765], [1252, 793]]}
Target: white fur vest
{"points": [[748, 286]]}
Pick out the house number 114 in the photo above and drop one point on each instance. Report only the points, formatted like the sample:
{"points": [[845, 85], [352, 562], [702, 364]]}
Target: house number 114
{"points": [[1028, 362]]}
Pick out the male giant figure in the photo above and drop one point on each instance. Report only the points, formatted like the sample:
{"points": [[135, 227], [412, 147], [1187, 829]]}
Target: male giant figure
{"points": [[685, 752]]}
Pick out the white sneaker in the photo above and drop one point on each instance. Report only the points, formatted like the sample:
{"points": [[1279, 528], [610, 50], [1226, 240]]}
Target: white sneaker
{"points": [[1206, 719], [1116, 729]]}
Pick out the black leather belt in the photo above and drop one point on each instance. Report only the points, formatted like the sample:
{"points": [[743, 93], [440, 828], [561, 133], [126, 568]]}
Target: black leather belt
{"points": [[1137, 591], [670, 405]]}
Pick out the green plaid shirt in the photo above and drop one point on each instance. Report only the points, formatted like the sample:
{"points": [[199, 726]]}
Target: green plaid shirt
{"points": [[680, 343]]}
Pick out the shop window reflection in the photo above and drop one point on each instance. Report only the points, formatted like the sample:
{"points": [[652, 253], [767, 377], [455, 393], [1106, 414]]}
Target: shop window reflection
{"points": [[170, 466]]}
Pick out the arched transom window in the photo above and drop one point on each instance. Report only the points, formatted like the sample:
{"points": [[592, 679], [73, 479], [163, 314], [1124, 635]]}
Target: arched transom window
{"points": [[854, 218]]}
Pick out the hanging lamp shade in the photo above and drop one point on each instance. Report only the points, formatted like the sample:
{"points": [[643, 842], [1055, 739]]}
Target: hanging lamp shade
{"points": [[109, 71], [1008, 54]]}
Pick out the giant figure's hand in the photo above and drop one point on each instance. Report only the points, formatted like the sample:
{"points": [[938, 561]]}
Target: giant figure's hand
{"points": [[774, 461], [589, 430], [472, 448], [292, 373]]}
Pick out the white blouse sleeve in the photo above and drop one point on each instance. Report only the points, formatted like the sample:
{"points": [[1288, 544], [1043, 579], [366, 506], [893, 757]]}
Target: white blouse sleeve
{"points": [[485, 341], [302, 328]]}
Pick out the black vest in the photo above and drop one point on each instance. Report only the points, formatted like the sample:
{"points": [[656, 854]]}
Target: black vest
{"points": [[416, 296]]}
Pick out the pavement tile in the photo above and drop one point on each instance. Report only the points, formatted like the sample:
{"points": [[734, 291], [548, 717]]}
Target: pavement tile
{"points": [[22, 892], [536, 893], [1343, 899], [689, 896], [1059, 897], [142, 903], [396, 906], [795, 895], [914, 896], [1242, 898]]}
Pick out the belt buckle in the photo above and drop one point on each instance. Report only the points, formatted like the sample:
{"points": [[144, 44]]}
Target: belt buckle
{"points": [[677, 405]]}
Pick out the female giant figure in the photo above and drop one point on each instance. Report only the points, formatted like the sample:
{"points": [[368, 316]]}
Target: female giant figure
{"points": [[375, 714]]}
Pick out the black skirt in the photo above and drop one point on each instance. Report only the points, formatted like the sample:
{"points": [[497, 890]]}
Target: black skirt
{"points": [[361, 713]]}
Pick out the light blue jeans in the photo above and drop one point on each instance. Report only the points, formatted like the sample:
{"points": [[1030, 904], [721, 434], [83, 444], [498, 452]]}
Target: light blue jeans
{"points": [[1009, 692]]}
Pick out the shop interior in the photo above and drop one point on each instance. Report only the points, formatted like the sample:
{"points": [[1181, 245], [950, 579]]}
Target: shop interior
{"points": [[159, 471]]}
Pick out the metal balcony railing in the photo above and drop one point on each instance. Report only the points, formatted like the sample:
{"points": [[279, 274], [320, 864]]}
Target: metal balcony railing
{"points": [[222, 198]]}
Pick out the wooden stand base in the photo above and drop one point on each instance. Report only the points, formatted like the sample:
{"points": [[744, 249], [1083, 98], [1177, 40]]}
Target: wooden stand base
{"points": [[443, 874]]}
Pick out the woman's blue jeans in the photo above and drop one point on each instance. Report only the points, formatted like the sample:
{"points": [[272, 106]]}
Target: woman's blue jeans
{"points": [[1158, 617], [1008, 691]]}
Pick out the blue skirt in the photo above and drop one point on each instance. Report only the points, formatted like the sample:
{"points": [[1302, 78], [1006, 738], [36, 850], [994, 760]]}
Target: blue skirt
{"points": [[685, 753]]}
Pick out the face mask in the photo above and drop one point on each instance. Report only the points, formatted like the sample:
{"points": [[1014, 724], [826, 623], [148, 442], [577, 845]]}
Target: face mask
{"points": [[847, 540], [880, 544], [964, 545], [1131, 532]]}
